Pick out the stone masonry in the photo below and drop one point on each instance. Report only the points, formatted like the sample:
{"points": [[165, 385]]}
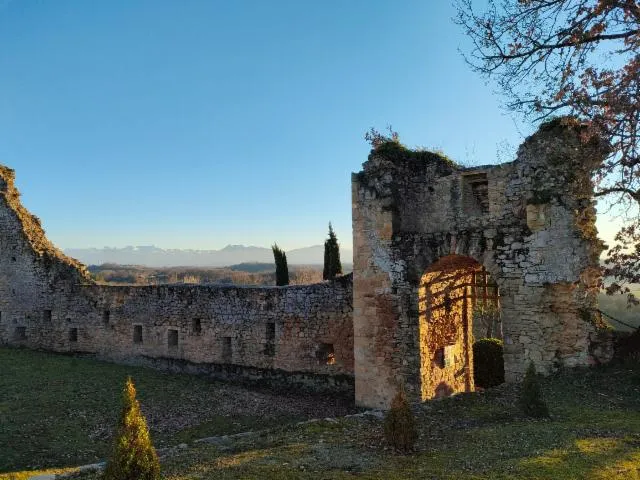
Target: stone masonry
{"points": [[530, 223], [423, 228], [298, 335]]}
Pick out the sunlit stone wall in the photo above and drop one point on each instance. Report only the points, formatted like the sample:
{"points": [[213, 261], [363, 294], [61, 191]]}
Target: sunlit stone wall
{"points": [[530, 223], [301, 336]]}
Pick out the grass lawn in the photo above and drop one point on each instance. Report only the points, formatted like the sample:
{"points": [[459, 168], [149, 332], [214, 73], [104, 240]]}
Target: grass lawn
{"points": [[594, 433], [58, 411]]}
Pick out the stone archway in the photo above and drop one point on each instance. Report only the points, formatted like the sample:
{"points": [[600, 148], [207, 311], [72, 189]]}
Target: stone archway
{"points": [[449, 290], [529, 222]]}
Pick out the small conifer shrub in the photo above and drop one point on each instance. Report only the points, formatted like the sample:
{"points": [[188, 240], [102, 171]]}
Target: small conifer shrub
{"points": [[400, 424], [133, 456], [532, 402], [488, 362]]}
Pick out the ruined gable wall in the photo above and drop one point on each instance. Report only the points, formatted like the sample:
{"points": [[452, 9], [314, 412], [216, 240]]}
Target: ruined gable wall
{"points": [[533, 230], [32, 270], [284, 334]]}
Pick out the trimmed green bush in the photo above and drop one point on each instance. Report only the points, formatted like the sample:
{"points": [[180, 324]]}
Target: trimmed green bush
{"points": [[133, 457], [627, 347], [488, 362], [531, 401], [399, 424]]}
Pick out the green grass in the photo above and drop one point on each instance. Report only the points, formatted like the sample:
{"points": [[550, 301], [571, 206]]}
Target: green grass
{"points": [[593, 433], [58, 411]]}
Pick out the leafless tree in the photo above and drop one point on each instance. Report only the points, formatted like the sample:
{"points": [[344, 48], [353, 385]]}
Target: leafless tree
{"points": [[576, 57]]}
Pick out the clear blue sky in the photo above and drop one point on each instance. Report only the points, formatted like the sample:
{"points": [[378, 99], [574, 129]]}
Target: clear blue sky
{"points": [[196, 124]]}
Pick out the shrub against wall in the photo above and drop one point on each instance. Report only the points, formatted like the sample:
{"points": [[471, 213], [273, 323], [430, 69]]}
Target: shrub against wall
{"points": [[488, 362], [399, 424], [531, 400], [627, 347]]}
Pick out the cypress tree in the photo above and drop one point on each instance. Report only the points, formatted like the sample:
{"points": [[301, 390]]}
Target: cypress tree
{"points": [[133, 457], [332, 265], [282, 270]]}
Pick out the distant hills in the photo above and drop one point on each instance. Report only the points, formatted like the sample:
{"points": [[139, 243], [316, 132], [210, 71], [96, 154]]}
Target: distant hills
{"points": [[152, 256]]}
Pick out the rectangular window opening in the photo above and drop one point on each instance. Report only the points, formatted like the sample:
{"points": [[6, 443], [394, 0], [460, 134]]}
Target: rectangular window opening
{"points": [[438, 358], [271, 332], [444, 356], [137, 334], [270, 337], [227, 351], [476, 194], [46, 315], [196, 326], [325, 354], [172, 338], [73, 334], [106, 316], [21, 333]]}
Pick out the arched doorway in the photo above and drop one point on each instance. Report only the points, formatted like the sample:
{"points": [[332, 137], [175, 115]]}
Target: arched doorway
{"points": [[450, 290]]}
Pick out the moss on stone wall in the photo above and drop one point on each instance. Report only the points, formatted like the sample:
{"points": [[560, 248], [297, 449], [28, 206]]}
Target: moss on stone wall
{"points": [[396, 152]]}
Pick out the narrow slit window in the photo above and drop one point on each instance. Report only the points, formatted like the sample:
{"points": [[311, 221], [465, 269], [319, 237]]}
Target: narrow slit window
{"points": [[271, 332], [73, 335], [172, 338], [439, 358], [106, 316], [227, 351], [270, 337], [196, 326], [137, 334]]}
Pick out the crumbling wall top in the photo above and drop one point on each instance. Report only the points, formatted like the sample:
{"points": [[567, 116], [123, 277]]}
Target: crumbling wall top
{"points": [[32, 230]]}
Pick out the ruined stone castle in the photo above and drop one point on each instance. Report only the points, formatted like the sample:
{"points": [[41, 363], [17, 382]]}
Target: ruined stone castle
{"points": [[424, 231]]}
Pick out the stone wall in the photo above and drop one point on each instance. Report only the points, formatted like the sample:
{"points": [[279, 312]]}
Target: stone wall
{"points": [[530, 223], [48, 301]]}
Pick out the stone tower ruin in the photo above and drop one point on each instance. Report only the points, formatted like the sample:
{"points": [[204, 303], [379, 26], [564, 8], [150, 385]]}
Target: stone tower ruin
{"points": [[423, 226], [425, 230]]}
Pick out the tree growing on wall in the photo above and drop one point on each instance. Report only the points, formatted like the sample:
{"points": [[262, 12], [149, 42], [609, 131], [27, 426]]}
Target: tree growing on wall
{"points": [[282, 270], [332, 265], [133, 457], [577, 57]]}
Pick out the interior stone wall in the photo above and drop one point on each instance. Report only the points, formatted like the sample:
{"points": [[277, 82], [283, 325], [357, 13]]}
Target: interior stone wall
{"points": [[445, 308], [48, 301], [530, 223]]}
